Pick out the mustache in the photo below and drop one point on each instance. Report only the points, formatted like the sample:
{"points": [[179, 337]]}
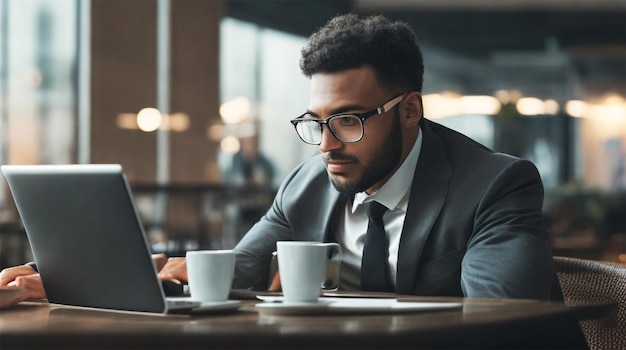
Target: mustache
{"points": [[334, 155]]}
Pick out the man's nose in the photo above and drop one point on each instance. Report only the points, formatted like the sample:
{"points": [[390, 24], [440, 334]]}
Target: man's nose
{"points": [[329, 141]]}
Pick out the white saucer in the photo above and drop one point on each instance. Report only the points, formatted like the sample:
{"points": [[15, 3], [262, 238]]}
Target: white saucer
{"points": [[328, 305]]}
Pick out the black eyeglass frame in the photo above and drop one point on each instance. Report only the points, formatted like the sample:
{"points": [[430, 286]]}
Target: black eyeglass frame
{"points": [[385, 107]]}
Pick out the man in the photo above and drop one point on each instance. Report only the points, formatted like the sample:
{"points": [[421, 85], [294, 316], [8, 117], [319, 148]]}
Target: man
{"points": [[459, 220]]}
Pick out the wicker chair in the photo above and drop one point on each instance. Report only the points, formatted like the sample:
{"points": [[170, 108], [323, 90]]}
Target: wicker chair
{"points": [[602, 285]]}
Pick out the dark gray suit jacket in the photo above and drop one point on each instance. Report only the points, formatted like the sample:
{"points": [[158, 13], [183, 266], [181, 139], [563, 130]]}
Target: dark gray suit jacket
{"points": [[473, 225]]}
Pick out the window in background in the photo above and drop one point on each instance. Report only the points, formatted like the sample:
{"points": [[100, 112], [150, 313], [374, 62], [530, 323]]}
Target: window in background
{"points": [[261, 66], [38, 65], [38, 93]]}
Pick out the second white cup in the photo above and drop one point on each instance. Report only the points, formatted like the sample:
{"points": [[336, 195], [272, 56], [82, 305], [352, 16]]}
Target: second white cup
{"points": [[303, 267], [210, 274]]}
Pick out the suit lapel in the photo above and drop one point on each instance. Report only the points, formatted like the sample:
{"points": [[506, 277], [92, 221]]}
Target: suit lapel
{"points": [[428, 191]]}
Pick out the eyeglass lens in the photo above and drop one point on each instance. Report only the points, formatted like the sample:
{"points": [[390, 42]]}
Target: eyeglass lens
{"points": [[310, 131], [346, 128]]}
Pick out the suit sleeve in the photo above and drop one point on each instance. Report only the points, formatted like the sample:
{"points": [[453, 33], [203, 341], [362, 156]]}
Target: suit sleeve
{"points": [[508, 254]]}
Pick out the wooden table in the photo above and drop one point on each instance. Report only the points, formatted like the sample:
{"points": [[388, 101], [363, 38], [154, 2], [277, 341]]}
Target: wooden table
{"points": [[480, 323]]}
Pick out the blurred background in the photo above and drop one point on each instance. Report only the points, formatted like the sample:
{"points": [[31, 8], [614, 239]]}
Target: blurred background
{"points": [[193, 98]]}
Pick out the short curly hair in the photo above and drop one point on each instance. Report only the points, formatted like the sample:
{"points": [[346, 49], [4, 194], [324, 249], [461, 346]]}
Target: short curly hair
{"points": [[349, 41]]}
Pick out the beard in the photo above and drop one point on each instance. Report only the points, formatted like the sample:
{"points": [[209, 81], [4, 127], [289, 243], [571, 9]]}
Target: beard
{"points": [[385, 160]]}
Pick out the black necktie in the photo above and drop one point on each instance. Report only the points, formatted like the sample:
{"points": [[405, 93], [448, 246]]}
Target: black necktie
{"points": [[374, 262]]}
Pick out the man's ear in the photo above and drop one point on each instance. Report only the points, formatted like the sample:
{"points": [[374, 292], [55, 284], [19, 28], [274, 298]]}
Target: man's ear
{"points": [[413, 109]]}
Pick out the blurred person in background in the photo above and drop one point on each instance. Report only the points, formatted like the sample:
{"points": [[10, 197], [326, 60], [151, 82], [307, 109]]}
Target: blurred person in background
{"points": [[246, 167]]}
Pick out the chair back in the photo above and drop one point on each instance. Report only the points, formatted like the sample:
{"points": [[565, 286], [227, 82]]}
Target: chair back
{"points": [[600, 287]]}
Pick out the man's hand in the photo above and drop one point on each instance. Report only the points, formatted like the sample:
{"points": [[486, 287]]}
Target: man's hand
{"points": [[159, 261], [24, 277], [171, 269]]}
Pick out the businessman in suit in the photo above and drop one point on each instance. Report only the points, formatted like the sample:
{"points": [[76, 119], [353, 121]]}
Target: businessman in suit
{"points": [[461, 220], [457, 218]]}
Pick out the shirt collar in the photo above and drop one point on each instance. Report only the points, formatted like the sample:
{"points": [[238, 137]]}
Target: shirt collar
{"points": [[399, 184]]}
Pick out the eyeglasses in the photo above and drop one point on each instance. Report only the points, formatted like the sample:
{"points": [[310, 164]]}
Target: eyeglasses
{"points": [[347, 128]]}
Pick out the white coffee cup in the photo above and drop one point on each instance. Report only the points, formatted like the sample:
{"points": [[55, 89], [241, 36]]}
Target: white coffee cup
{"points": [[210, 274], [303, 267]]}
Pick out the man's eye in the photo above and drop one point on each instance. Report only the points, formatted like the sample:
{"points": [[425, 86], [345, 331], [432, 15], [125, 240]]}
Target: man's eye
{"points": [[347, 121]]}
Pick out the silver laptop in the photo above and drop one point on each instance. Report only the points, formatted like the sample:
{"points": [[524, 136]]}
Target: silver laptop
{"points": [[87, 239]]}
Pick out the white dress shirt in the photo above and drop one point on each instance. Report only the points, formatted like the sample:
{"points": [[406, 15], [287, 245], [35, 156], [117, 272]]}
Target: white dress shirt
{"points": [[394, 195]]}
